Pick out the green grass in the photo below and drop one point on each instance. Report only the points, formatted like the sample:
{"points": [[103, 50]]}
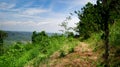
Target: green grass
{"points": [[20, 55], [64, 45]]}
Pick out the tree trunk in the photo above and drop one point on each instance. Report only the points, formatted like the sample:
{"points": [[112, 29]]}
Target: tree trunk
{"points": [[106, 32], [106, 40]]}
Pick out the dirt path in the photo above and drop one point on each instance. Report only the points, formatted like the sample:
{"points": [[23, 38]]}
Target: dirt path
{"points": [[83, 56]]}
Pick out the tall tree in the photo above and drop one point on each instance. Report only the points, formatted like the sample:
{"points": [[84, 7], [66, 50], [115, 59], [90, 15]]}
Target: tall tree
{"points": [[99, 17], [110, 12], [89, 20], [34, 34], [2, 36]]}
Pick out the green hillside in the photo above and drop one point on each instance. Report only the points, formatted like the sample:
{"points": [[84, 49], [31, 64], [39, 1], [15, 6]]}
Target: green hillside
{"points": [[96, 44]]}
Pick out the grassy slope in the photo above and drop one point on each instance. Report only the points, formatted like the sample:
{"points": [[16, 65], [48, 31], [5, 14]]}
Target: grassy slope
{"points": [[64, 47], [67, 52], [83, 56], [88, 53]]}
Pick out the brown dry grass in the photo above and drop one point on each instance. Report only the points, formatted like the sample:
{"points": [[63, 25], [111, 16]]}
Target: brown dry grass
{"points": [[83, 56]]}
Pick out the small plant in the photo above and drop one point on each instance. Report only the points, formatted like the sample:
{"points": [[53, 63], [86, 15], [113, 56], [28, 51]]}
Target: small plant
{"points": [[71, 50], [62, 54]]}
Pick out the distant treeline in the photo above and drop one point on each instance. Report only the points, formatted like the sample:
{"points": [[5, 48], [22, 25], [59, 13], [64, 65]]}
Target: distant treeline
{"points": [[20, 36]]}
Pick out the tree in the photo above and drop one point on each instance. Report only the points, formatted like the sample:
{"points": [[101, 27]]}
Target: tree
{"points": [[33, 36], [89, 18], [70, 34], [110, 12], [64, 24], [42, 40], [38, 37], [2, 36], [99, 17]]}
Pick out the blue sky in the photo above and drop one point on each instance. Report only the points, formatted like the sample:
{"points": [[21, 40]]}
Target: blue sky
{"points": [[30, 15]]}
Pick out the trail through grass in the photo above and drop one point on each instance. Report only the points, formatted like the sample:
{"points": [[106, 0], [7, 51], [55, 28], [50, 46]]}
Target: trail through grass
{"points": [[83, 56]]}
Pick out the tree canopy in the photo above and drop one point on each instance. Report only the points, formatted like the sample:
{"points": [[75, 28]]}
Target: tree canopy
{"points": [[3, 34], [96, 18]]}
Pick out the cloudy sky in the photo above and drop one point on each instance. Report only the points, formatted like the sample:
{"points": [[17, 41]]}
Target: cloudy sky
{"points": [[30, 15]]}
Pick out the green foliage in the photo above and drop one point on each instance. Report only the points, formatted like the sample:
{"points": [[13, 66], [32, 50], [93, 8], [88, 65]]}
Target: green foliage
{"points": [[99, 17], [70, 34], [33, 36], [27, 57], [38, 37], [42, 39], [89, 20], [115, 34], [19, 54], [71, 50], [62, 53], [3, 35], [40, 58], [116, 63], [92, 17], [12, 56], [115, 44]]}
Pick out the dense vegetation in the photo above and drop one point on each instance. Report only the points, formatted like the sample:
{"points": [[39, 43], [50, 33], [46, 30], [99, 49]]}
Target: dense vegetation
{"points": [[42, 47], [99, 25], [99, 18]]}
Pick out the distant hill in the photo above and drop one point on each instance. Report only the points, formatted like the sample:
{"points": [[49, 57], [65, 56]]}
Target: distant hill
{"points": [[19, 36]]}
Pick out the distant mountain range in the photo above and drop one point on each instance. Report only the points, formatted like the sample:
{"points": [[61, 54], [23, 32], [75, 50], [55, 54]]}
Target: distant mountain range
{"points": [[19, 36]]}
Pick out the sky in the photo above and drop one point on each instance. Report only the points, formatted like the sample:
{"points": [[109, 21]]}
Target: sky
{"points": [[38, 15]]}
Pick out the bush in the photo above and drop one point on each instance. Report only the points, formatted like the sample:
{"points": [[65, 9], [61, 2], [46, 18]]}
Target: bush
{"points": [[62, 54], [115, 34], [71, 50]]}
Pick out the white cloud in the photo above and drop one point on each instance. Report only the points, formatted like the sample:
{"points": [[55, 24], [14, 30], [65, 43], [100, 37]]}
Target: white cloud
{"points": [[19, 23], [30, 19], [33, 22], [75, 3], [34, 11], [47, 24], [73, 21], [5, 6], [83, 2]]}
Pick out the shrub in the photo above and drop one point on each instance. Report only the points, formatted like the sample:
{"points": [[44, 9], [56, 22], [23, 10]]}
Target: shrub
{"points": [[71, 50], [62, 53]]}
